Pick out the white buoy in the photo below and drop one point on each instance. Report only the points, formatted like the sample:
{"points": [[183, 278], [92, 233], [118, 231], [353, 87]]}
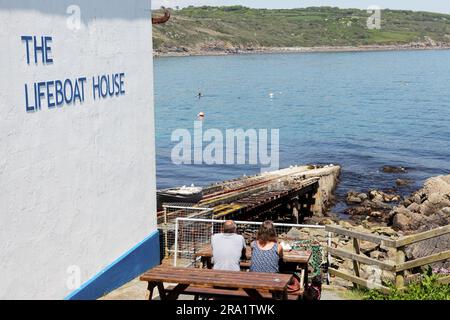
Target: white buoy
{"points": [[201, 116]]}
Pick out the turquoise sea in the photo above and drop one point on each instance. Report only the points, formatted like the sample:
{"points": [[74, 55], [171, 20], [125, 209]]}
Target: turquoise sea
{"points": [[361, 110]]}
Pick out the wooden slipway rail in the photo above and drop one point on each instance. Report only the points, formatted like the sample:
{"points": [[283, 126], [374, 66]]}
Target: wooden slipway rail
{"points": [[398, 267], [246, 205]]}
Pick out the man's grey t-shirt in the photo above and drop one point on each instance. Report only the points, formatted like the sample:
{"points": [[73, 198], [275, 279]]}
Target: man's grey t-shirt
{"points": [[227, 251]]}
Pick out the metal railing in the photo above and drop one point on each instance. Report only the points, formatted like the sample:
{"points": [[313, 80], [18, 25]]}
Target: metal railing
{"points": [[191, 235]]}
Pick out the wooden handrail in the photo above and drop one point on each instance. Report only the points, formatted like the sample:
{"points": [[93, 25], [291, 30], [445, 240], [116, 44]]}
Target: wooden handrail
{"points": [[361, 258], [359, 281], [385, 241], [398, 267], [401, 242], [420, 262], [404, 241]]}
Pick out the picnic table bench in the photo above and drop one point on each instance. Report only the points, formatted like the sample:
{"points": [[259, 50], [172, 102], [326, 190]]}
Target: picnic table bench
{"points": [[194, 281]]}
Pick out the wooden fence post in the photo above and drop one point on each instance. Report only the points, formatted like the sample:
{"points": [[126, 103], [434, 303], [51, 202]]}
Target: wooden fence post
{"points": [[400, 275], [356, 263]]}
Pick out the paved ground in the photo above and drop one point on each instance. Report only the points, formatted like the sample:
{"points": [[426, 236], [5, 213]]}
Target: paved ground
{"points": [[332, 293], [134, 290], [137, 290]]}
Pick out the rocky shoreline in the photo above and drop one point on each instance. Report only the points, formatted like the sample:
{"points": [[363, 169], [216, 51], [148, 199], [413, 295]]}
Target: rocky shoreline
{"points": [[424, 209], [222, 49], [394, 216]]}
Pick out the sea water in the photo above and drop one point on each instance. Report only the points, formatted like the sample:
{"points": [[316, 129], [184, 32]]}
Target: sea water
{"points": [[362, 110]]}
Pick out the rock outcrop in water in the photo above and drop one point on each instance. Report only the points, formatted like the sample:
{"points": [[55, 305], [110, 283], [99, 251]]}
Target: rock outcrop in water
{"points": [[391, 169], [402, 182]]}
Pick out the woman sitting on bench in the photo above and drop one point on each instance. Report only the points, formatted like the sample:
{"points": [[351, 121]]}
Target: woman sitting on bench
{"points": [[266, 252]]}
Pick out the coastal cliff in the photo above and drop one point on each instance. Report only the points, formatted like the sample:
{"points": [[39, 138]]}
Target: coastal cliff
{"points": [[237, 30]]}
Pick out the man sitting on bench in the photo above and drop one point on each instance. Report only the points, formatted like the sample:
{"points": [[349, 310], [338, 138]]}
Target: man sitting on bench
{"points": [[227, 248]]}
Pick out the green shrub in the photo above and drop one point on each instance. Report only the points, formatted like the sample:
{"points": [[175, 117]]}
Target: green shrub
{"points": [[428, 289], [233, 8]]}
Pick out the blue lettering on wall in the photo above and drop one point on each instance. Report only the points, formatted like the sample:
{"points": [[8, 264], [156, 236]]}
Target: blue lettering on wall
{"points": [[27, 40], [50, 95], [67, 94], [122, 83], [104, 84], [39, 47], [30, 108], [57, 93], [47, 49], [96, 86], [108, 85], [40, 94]]}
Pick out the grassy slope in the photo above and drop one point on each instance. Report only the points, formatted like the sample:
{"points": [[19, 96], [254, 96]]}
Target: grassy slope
{"points": [[222, 27]]}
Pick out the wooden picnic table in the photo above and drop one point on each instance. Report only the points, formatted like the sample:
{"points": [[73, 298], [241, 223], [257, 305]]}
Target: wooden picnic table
{"points": [[292, 260], [292, 256], [222, 281]]}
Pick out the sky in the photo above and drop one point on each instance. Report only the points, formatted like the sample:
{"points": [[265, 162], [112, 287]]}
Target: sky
{"points": [[442, 6]]}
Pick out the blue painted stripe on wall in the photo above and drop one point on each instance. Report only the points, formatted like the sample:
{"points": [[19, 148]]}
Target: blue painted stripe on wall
{"points": [[136, 261]]}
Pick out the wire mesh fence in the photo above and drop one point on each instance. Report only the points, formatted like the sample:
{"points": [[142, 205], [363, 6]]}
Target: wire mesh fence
{"points": [[167, 223], [194, 235], [173, 211]]}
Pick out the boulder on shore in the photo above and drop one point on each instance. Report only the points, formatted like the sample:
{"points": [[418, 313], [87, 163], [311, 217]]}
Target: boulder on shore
{"points": [[375, 205], [401, 221], [354, 197], [381, 196], [428, 208]]}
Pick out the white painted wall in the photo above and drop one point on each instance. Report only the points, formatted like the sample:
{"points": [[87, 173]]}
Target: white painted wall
{"points": [[77, 184]]}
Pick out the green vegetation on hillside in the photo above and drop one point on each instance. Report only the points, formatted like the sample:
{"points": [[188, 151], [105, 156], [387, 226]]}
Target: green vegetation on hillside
{"points": [[218, 28]]}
